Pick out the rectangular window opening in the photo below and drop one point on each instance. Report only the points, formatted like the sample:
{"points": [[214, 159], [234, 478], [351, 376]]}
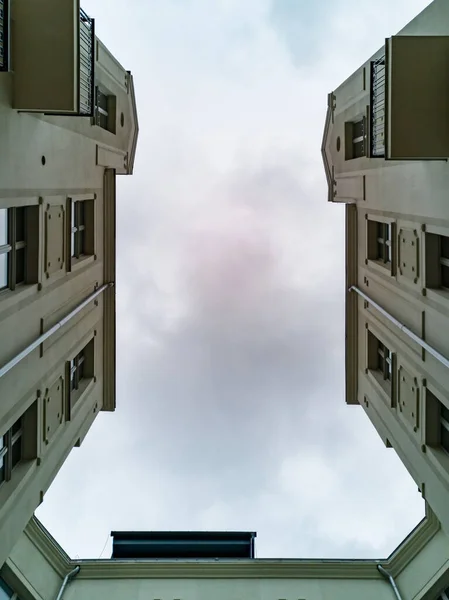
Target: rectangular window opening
{"points": [[105, 110], [437, 261], [19, 243], [355, 139]]}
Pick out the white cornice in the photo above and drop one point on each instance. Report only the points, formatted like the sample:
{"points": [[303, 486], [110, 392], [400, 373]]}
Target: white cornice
{"points": [[241, 569], [48, 547]]}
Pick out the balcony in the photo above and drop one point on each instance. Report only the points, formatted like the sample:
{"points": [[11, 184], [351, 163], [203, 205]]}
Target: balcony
{"points": [[4, 35], [54, 57], [377, 105], [409, 104]]}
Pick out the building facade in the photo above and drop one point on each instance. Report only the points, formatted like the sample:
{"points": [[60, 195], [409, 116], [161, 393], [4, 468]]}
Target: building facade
{"points": [[385, 150], [68, 126]]}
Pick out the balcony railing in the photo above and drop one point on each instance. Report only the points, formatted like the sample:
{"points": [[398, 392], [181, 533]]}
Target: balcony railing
{"points": [[86, 65], [378, 106], [4, 35]]}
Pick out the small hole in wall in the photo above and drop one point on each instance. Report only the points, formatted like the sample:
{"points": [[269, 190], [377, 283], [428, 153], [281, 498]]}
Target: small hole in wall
{"points": [[338, 144], [43, 160], [122, 119]]}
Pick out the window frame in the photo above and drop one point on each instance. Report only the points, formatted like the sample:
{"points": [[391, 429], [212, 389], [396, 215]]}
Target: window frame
{"points": [[80, 372], [381, 232], [105, 112], [381, 364], [435, 421], [9, 439], [13, 246], [351, 139], [81, 225]]}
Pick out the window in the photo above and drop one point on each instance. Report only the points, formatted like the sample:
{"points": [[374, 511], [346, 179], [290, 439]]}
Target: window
{"points": [[82, 227], [19, 232], [444, 595], [11, 450], [437, 422], [77, 246], [81, 372], [380, 243], [377, 107], [380, 361], [355, 139], [105, 110], [437, 261], [6, 593]]}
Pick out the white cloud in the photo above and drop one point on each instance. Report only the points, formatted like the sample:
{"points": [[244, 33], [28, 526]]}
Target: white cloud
{"points": [[230, 293]]}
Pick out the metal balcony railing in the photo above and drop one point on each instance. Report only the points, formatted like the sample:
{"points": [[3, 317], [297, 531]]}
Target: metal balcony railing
{"points": [[86, 65], [4, 35], [378, 107]]}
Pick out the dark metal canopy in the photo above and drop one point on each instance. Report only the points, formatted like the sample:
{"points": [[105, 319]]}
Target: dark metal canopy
{"points": [[182, 544]]}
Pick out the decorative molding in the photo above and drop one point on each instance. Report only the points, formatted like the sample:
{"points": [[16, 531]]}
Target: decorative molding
{"points": [[351, 305], [133, 145], [48, 547], [109, 316], [414, 543], [327, 126], [262, 568], [241, 569]]}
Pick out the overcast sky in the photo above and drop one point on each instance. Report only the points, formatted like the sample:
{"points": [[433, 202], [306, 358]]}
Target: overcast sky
{"points": [[230, 283]]}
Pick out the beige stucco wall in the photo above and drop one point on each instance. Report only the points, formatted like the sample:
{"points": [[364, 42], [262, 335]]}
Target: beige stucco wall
{"points": [[81, 160], [412, 196]]}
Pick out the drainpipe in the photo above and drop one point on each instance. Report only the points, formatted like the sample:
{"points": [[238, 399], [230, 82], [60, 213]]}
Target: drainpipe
{"points": [[388, 576], [14, 361], [442, 359], [67, 580]]}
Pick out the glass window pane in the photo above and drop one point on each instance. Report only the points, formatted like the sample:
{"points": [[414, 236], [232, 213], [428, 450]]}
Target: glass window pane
{"points": [[81, 210], [444, 246], [81, 238], [5, 590], [445, 277], [445, 412], [3, 271], [380, 250], [20, 224], [17, 426], [445, 438], [20, 265], [16, 452], [3, 226], [358, 130]]}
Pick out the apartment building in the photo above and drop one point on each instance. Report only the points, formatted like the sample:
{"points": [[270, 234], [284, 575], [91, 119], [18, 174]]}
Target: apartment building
{"points": [[205, 566], [68, 126], [385, 151]]}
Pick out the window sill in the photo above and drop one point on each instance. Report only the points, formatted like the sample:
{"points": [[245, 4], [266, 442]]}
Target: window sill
{"points": [[440, 461], [439, 296], [82, 262], [382, 386], [10, 298], [77, 396], [381, 267]]}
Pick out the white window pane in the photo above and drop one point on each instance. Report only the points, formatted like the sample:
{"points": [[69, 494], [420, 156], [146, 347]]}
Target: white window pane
{"points": [[3, 226], [5, 591], [3, 270], [72, 245]]}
